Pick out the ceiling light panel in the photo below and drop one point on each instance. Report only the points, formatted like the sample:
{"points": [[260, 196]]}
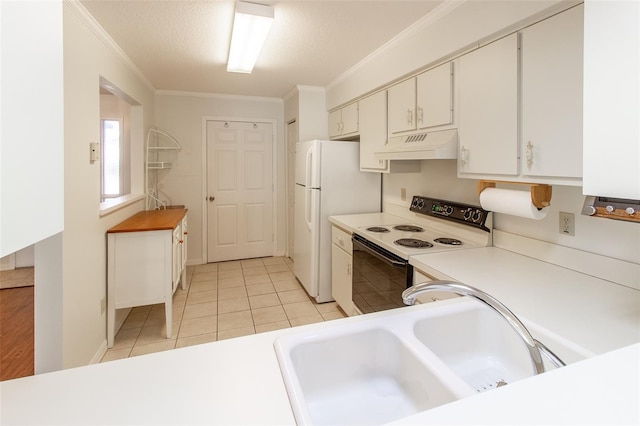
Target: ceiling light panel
{"points": [[251, 26]]}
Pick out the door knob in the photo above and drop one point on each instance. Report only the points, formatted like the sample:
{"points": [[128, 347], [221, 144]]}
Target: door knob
{"points": [[211, 198]]}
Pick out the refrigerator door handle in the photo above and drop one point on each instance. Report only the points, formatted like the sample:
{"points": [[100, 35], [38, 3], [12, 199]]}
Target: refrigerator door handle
{"points": [[307, 208], [307, 168]]}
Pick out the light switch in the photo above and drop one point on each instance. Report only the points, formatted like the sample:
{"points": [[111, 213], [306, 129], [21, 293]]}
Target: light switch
{"points": [[94, 152]]}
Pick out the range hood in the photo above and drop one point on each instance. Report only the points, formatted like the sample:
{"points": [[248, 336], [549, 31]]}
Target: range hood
{"points": [[441, 144]]}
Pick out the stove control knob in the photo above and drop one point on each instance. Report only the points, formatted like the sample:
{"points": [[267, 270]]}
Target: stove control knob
{"points": [[420, 203], [449, 210], [476, 215], [630, 210], [610, 209], [467, 214], [414, 203]]}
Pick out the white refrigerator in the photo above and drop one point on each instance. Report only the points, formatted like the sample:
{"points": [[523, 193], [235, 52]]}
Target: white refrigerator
{"points": [[328, 182]]}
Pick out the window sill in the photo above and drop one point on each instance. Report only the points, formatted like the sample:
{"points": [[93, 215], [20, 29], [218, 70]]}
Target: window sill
{"points": [[113, 204]]}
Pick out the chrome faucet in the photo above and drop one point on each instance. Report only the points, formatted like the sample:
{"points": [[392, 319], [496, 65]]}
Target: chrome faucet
{"points": [[534, 347]]}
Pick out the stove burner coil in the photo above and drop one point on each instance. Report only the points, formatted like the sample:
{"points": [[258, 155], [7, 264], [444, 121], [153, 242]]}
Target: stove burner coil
{"points": [[408, 228], [448, 241], [378, 229], [413, 243]]}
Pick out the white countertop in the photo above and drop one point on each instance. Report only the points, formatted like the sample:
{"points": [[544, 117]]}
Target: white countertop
{"points": [[596, 314], [238, 381], [234, 381]]}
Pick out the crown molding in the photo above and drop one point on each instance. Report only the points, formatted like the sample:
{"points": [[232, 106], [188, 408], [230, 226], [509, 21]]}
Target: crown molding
{"points": [[81, 12], [429, 19], [218, 96]]}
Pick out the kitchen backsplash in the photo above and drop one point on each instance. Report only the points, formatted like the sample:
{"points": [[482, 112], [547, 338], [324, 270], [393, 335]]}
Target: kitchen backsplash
{"points": [[437, 178]]}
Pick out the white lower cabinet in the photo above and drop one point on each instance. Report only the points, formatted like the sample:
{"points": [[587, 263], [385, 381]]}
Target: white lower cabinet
{"points": [[146, 260], [342, 269]]}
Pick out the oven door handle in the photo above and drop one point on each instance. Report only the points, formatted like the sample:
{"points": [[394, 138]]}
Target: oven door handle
{"points": [[379, 255]]}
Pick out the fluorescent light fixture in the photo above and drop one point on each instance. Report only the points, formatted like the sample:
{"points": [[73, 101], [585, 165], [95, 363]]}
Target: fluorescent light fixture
{"points": [[250, 28]]}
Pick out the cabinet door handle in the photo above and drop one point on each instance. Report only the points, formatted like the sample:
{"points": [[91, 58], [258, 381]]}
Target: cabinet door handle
{"points": [[529, 154], [420, 115], [409, 116], [463, 155]]}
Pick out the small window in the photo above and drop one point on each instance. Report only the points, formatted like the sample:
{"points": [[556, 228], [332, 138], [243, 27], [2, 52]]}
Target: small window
{"points": [[112, 167], [121, 140]]}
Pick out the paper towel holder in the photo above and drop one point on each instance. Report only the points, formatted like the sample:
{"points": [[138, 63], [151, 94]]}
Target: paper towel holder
{"points": [[540, 192]]}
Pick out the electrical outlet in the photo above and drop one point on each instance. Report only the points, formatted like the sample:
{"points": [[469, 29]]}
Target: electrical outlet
{"points": [[403, 194], [103, 305], [567, 224]]}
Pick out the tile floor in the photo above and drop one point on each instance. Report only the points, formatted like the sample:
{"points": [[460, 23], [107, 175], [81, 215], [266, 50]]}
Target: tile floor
{"points": [[223, 300]]}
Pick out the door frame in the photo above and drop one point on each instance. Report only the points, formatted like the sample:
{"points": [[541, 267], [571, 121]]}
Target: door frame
{"points": [[274, 177]]}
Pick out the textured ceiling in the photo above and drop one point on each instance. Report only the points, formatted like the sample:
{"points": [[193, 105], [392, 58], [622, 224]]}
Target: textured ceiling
{"points": [[183, 44]]}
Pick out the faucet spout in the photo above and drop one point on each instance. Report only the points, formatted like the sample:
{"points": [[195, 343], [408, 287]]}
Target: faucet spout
{"points": [[410, 294]]}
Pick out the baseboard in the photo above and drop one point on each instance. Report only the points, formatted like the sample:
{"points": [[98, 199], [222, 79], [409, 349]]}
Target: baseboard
{"points": [[100, 354], [121, 317]]}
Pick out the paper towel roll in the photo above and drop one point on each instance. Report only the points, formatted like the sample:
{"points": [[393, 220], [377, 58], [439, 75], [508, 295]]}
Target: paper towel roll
{"points": [[512, 202]]}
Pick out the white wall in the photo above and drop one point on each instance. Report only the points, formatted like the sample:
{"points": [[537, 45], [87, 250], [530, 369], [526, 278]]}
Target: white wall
{"points": [[450, 29], [181, 114], [612, 238], [88, 55]]}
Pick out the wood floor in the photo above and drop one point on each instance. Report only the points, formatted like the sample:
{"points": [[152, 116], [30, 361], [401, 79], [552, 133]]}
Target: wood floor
{"points": [[16, 333]]}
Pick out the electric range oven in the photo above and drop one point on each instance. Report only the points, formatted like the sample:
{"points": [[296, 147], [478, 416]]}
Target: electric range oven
{"points": [[381, 269]]}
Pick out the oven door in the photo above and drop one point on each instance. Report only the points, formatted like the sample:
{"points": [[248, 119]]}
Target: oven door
{"points": [[379, 277]]}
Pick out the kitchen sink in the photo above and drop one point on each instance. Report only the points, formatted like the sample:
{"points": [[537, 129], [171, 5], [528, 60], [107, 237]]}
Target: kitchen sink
{"points": [[381, 367], [358, 376], [477, 345]]}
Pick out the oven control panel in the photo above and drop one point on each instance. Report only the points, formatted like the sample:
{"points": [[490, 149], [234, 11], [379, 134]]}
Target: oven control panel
{"points": [[462, 213]]}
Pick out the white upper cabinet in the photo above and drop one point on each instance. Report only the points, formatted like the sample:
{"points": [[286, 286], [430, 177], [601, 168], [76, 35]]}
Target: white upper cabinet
{"points": [[552, 96], [402, 106], [435, 97], [373, 131], [488, 109], [547, 148], [373, 137], [422, 102], [612, 99], [32, 131], [344, 122]]}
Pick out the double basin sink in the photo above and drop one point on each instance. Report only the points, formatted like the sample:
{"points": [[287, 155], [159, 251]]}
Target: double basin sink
{"points": [[378, 368]]}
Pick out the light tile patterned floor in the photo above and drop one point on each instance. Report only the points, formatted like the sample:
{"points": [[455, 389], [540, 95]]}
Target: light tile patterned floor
{"points": [[223, 300]]}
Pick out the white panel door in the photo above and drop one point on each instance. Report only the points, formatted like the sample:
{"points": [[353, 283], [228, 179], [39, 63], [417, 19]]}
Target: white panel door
{"points": [[239, 190]]}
